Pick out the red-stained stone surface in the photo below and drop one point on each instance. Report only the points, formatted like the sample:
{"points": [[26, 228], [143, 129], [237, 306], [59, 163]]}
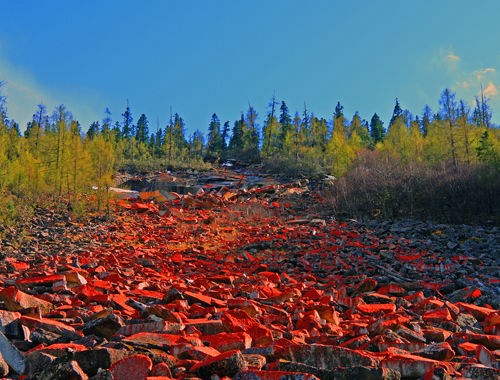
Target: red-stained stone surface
{"points": [[133, 367], [246, 283], [273, 375]]}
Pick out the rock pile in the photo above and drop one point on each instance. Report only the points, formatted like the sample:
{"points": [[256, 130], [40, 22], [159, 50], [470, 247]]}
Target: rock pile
{"points": [[248, 284]]}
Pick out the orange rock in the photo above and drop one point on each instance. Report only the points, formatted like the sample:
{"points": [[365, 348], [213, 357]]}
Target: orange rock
{"points": [[16, 300], [376, 308], [437, 315], [135, 367], [226, 364], [229, 341], [161, 369], [273, 375], [479, 312]]}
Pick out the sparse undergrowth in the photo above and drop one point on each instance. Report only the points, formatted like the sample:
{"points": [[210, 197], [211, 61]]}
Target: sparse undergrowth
{"points": [[381, 188]]}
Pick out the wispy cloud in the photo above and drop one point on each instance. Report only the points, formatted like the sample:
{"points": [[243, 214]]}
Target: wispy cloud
{"points": [[24, 93], [481, 74], [466, 79], [491, 90], [452, 57]]}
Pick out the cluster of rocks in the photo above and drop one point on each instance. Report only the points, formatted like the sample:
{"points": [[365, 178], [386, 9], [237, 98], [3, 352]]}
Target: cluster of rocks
{"points": [[232, 283]]}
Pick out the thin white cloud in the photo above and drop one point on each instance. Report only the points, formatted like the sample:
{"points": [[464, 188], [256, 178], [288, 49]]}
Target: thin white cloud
{"points": [[24, 93], [452, 57], [481, 74], [491, 90]]}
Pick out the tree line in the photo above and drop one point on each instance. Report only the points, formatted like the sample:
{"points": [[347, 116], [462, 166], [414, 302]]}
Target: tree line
{"points": [[54, 156]]}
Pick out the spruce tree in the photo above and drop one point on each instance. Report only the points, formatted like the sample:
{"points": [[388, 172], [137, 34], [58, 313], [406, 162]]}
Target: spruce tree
{"points": [[377, 131], [215, 141]]}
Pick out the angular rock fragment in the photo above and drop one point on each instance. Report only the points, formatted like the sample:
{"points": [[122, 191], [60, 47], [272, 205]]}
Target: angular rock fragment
{"points": [[14, 358], [322, 356], [51, 325], [16, 300], [104, 324], [438, 351], [273, 375], [479, 371], [63, 371], [338, 373], [226, 364], [135, 366], [228, 341], [91, 360], [37, 361]]}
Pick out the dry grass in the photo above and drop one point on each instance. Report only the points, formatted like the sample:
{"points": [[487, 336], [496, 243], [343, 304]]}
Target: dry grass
{"points": [[377, 187]]}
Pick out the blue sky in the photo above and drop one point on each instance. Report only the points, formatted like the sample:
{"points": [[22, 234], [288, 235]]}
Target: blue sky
{"points": [[201, 57]]}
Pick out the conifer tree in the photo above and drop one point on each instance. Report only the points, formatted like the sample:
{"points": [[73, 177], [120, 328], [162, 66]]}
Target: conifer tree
{"points": [[251, 137], [224, 138], [142, 129], [397, 112], [271, 132], [285, 121], [215, 144], [127, 126], [93, 130], [426, 119], [236, 142], [377, 131]]}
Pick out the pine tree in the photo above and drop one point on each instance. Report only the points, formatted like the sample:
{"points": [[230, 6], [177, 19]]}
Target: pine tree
{"points": [[224, 137], [236, 141], [215, 144], [486, 152], [127, 127], [142, 129], [93, 130], [426, 119], [251, 137], [397, 112], [377, 131], [338, 111], [285, 121]]}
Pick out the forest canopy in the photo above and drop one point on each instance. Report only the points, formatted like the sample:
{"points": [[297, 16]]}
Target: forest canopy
{"points": [[55, 156]]}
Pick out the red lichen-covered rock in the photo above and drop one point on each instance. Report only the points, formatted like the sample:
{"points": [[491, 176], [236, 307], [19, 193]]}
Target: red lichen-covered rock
{"points": [[153, 339], [161, 369], [409, 365], [273, 375], [132, 367], [226, 364], [91, 360], [438, 351], [52, 326], [228, 341], [323, 356], [486, 357], [437, 315], [16, 300], [228, 282], [480, 313], [104, 323], [376, 308]]}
